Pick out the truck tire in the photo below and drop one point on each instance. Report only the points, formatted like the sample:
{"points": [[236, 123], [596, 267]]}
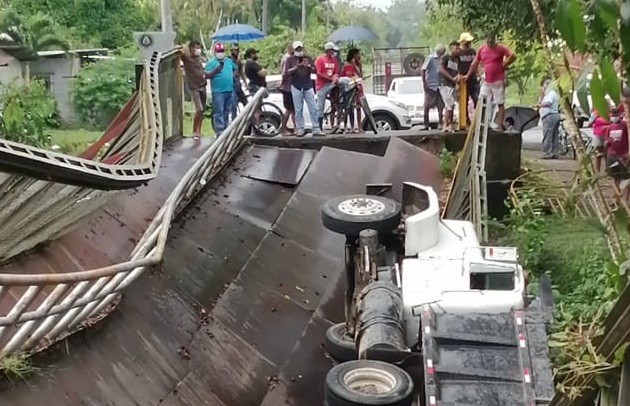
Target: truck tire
{"points": [[338, 345], [368, 383], [351, 214], [412, 64]]}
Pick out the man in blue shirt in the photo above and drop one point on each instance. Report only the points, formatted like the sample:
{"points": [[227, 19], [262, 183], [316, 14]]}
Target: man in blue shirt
{"points": [[549, 112], [221, 71], [431, 82]]}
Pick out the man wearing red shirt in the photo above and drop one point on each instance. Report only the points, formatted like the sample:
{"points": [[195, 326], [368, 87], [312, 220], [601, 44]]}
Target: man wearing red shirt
{"points": [[327, 68], [494, 58], [617, 150]]}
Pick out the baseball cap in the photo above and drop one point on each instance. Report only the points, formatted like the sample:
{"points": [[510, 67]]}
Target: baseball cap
{"points": [[218, 47], [466, 37], [298, 44], [329, 46], [336, 47]]}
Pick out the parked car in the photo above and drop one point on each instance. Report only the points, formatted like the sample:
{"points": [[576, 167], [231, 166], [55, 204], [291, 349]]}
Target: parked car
{"points": [[388, 116], [408, 93]]}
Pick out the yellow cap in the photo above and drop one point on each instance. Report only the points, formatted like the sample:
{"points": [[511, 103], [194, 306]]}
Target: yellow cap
{"points": [[466, 37]]}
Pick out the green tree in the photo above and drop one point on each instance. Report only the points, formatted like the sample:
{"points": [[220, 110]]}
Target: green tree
{"points": [[481, 17], [405, 18], [101, 89], [26, 112], [528, 67], [443, 24], [99, 23], [30, 34]]}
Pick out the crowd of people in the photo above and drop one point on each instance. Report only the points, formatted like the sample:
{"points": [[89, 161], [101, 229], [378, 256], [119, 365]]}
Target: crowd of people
{"points": [[444, 74], [228, 73], [610, 136]]}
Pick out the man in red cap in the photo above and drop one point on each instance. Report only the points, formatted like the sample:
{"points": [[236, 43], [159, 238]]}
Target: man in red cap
{"points": [[221, 71]]}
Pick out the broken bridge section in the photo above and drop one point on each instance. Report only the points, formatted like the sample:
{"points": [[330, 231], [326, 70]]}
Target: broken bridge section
{"points": [[238, 311]]}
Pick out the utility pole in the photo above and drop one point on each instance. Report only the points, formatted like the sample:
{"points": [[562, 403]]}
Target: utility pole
{"points": [[329, 13], [303, 16], [167, 15], [265, 16]]}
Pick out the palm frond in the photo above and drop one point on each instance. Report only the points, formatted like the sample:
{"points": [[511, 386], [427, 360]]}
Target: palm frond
{"points": [[40, 23], [50, 41]]}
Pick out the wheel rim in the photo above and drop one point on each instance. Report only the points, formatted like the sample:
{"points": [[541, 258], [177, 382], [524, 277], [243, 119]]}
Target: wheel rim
{"points": [[267, 127], [361, 206], [383, 125], [369, 381]]}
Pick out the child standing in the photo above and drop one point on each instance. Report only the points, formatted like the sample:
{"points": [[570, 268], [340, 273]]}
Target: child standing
{"points": [[617, 152], [353, 69]]}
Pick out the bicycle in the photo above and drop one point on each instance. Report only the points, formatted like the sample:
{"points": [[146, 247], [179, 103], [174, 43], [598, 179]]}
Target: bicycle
{"points": [[269, 118], [566, 145], [348, 95]]}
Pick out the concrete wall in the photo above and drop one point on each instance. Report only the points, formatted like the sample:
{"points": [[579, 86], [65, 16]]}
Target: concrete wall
{"points": [[59, 72], [11, 72]]}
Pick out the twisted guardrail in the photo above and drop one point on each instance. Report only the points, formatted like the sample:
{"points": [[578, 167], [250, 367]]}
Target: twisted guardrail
{"points": [[77, 298]]}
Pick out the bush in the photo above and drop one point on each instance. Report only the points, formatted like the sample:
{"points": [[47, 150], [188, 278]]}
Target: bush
{"points": [[27, 110], [101, 90]]}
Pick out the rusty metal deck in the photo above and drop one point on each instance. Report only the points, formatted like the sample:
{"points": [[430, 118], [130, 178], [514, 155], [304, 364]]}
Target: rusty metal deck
{"points": [[237, 313]]}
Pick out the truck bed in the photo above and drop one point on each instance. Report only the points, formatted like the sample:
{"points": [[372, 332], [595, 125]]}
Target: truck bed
{"points": [[486, 359]]}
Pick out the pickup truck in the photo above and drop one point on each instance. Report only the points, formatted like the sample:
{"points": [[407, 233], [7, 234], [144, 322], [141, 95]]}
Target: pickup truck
{"points": [[407, 92], [432, 317]]}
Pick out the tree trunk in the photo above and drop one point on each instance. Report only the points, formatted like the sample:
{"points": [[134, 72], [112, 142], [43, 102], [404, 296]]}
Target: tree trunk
{"points": [[265, 16], [303, 15], [27, 72]]}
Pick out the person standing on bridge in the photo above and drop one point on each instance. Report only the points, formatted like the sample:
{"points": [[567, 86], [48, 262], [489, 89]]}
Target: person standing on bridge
{"points": [[285, 89], [300, 67], [256, 76], [495, 59], [327, 69], [221, 71], [196, 79], [431, 84], [239, 96], [466, 56], [449, 77]]}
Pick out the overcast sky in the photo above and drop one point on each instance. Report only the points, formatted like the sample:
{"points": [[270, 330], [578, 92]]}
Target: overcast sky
{"points": [[375, 3]]}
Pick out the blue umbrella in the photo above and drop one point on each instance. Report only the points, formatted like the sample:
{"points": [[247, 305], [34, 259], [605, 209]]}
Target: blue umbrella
{"points": [[237, 32], [352, 33]]}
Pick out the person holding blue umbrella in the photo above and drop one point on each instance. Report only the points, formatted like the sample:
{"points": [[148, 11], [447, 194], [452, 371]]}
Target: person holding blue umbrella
{"points": [[221, 71]]}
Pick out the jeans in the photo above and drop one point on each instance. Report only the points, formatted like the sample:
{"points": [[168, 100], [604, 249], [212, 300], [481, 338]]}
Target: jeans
{"points": [[322, 93], [222, 103], [299, 97], [551, 126]]}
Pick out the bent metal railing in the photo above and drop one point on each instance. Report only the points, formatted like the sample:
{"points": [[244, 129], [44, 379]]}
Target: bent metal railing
{"points": [[48, 165], [77, 299], [34, 210]]}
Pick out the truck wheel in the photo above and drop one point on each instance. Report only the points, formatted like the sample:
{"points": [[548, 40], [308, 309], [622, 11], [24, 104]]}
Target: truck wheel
{"points": [[349, 215], [412, 64], [368, 382], [338, 345]]}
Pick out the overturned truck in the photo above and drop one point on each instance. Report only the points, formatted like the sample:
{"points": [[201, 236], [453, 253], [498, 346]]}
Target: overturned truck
{"points": [[432, 318], [258, 302]]}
